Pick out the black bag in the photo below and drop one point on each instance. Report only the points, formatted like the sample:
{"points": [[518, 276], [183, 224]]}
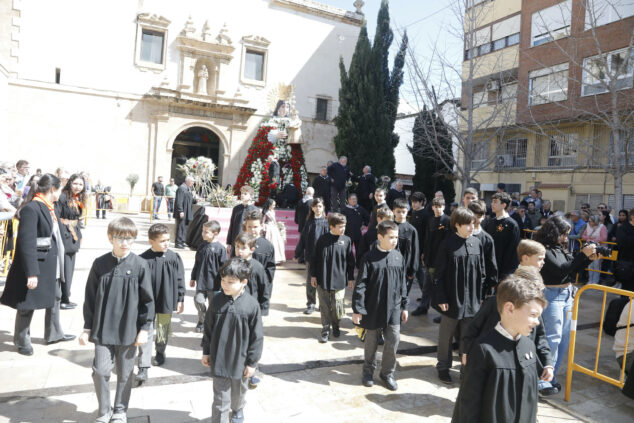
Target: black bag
{"points": [[613, 314], [623, 271]]}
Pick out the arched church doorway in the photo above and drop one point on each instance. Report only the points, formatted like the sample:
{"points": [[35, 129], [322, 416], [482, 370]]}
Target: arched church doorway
{"points": [[194, 142]]}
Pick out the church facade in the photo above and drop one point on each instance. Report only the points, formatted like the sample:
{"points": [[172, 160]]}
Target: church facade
{"points": [[137, 87]]}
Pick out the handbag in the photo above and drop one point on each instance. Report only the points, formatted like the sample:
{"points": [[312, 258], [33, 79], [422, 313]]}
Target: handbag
{"points": [[43, 243]]}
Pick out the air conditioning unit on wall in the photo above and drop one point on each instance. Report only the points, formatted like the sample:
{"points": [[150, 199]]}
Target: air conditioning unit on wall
{"points": [[504, 160], [493, 85]]}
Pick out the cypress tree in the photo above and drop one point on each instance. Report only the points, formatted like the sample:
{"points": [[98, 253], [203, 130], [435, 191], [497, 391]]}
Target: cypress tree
{"points": [[368, 101], [432, 174]]}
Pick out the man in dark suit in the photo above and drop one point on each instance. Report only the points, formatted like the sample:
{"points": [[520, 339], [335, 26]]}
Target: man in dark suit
{"points": [[365, 189], [339, 174], [183, 210], [321, 183], [394, 193]]}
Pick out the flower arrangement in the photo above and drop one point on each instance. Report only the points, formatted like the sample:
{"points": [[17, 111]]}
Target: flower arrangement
{"points": [[384, 182], [203, 170], [220, 197]]}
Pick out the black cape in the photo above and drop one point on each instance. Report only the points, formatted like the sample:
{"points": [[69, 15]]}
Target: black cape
{"points": [[209, 258], [233, 336], [368, 240], [301, 213], [437, 230], [183, 203], [408, 247], [375, 209], [419, 220], [322, 188], [506, 238], [500, 382], [356, 217], [380, 292], [333, 262], [168, 279], [258, 285], [265, 254], [392, 195], [313, 230], [118, 301], [459, 276], [366, 186], [237, 218], [490, 264]]}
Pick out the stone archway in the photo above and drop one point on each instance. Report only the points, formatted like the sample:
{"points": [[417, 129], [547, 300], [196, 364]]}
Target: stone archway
{"points": [[194, 142]]}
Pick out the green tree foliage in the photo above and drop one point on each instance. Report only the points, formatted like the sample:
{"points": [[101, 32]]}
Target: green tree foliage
{"points": [[368, 100], [432, 174]]}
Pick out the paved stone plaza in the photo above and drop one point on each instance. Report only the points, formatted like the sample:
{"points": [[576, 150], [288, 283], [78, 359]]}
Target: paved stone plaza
{"points": [[302, 381]]}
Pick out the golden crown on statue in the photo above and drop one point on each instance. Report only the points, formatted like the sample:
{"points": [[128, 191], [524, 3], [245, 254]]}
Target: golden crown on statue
{"points": [[281, 92]]}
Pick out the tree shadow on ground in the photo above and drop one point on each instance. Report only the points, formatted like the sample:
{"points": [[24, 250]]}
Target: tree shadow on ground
{"points": [[299, 332], [424, 405]]}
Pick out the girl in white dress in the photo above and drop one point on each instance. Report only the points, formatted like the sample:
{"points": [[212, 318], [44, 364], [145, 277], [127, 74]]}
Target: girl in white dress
{"points": [[272, 231]]}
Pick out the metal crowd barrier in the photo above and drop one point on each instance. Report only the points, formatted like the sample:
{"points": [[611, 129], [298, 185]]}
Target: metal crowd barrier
{"points": [[572, 366], [6, 257]]}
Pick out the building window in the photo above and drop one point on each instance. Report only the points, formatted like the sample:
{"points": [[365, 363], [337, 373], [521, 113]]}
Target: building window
{"points": [[627, 141], [321, 111], [254, 65], [628, 201], [480, 98], [151, 42], [481, 155], [602, 12], [548, 85], [514, 154], [254, 60], [509, 91], [600, 71], [152, 46], [563, 150], [551, 23]]}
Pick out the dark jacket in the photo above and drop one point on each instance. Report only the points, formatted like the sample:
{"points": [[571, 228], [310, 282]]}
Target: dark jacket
{"points": [[258, 285], [332, 262], [419, 220], [490, 264], [392, 195], [506, 237], [71, 234], [209, 258], [560, 267], [119, 301], [168, 279], [183, 202], [459, 276], [313, 230], [625, 241], [265, 254], [366, 186], [301, 213], [408, 247], [437, 230], [356, 217], [488, 316], [380, 292], [233, 336], [375, 210], [322, 188], [499, 383], [339, 174], [35, 222], [237, 219]]}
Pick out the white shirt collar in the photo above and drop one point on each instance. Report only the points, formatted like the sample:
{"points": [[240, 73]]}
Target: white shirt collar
{"points": [[505, 333]]}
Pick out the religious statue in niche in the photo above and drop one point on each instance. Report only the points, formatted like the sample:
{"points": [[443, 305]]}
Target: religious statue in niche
{"points": [[285, 122], [203, 76]]}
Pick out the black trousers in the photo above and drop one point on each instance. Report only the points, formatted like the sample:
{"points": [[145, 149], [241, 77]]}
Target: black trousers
{"points": [[69, 271], [181, 229]]}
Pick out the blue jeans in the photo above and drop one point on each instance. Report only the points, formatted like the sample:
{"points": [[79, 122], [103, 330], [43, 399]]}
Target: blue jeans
{"points": [[157, 206], [557, 316]]}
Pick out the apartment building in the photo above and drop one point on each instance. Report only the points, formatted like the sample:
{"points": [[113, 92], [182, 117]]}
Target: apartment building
{"points": [[549, 83]]}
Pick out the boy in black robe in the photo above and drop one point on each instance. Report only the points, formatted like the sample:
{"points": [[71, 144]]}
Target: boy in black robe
{"points": [[369, 238], [478, 208], [356, 217], [264, 252], [500, 378], [437, 229], [418, 218], [303, 209], [322, 184], [232, 343], [505, 233], [238, 215], [459, 279], [168, 286], [407, 240], [332, 264], [379, 301], [379, 198], [118, 313], [210, 257], [315, 227]]}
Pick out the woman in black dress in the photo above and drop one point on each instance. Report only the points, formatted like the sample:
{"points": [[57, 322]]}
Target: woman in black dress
{"points": [[70, 208], [33, 280]]}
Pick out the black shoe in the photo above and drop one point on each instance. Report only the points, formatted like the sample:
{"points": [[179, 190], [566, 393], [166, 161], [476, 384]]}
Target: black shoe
{"points": [[380, 339], [25, 351], [389, 382], [141, 376], [67, 306], [324, 336], [237, 416], [159, 359], [64, 338], [199, 327], [335, 331], [310, 309], [444, 376], [437, 319], [547, 392], [420, 310], [367, 380], [557, 385]]}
